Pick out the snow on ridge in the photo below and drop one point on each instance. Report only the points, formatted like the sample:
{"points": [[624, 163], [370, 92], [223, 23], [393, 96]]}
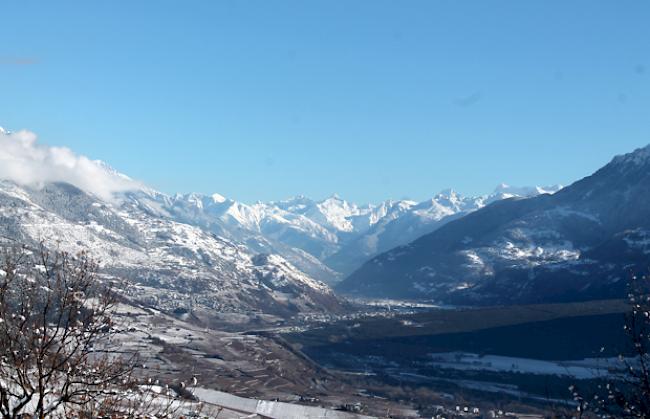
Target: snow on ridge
{"points": [[526, 191], [157, 251]]}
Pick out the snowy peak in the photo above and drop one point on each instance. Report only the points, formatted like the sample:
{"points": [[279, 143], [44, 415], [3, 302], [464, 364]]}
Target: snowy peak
{"points": [[298, 203], [217, 198], [526, 191], [448, 193], [451, 200], [336, 212]]}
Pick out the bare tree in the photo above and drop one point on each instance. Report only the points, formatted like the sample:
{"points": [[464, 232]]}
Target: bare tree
{"points": [[55, 316], [626, 394]]}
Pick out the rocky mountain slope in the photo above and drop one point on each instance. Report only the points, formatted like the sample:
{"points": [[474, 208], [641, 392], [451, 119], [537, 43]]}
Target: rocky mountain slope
{"points": [[181, 267], [582, 242]]}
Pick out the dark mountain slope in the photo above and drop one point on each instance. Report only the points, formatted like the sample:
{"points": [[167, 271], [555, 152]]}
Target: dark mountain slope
{"points": [[581, 243]]}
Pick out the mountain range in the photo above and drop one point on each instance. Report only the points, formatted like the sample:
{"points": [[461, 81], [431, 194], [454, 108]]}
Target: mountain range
{"points": [[583, 242], [327, 239], [280, 258], [212, 256]]}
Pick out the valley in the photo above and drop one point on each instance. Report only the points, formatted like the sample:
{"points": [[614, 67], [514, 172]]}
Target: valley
{"points": [[409, 360], [325, 209], [402, 309], [518, 357]]}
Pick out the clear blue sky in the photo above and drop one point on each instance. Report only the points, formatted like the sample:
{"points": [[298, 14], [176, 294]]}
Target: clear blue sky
{"points": [[369, 99]]}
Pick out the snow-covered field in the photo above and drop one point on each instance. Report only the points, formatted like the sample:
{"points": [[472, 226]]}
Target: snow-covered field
{"points": [[270, 409], [585, 369]]}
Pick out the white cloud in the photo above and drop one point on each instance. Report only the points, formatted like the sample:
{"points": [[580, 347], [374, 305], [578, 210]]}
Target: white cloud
{"points": [[26, 162]]}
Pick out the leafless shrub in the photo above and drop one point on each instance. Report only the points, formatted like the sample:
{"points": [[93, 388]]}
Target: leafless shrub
{"points": [[55, 317], [626, 394]]}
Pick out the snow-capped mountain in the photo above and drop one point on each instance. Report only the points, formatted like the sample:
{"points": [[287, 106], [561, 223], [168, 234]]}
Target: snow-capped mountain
{"points": [[237, 222], [504, 191], [328, 238], [209, 240], [579, 243], [177, 265], [395, 223]]}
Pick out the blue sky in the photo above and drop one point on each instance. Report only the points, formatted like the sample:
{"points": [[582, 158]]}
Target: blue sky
{"points": [[368, 99]]}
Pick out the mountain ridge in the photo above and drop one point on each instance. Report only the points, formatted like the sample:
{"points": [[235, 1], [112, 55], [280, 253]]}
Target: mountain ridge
{"points": [[575, 244], [337, 232], [176, 266]]}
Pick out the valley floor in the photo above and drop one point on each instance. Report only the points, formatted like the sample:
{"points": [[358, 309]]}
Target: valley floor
{"points": [[520, 358], [258, 366], [404, 362]]}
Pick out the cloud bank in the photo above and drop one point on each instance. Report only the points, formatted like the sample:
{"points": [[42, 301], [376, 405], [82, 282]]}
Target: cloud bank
{"points": [[24, 161]]}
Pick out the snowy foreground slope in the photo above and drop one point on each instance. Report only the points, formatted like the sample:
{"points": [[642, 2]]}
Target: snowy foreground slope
{"points": [[181, 266], [580, 243], [270, 409]]}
